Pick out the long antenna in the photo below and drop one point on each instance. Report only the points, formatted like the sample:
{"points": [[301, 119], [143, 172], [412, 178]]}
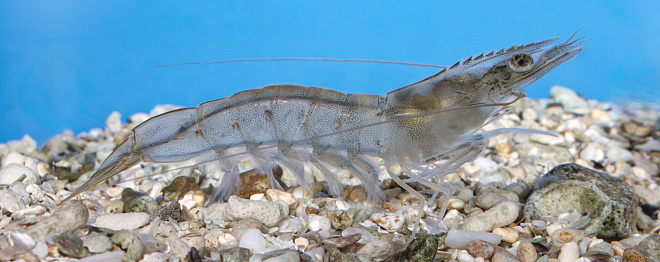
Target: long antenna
{"points": [[301, 59]]}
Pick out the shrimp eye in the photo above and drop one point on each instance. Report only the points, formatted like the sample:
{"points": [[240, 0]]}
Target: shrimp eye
{"points": [[521, 63]]}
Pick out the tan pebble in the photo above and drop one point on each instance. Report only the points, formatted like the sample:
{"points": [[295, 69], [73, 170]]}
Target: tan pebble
{"points": [[112, 207], [338, 218], [618, 251], [529, 114], [357, 194], [301, 243], [508, 235], [480, 248], [388, 184], [503, 148], [476, 211], [454, 203], [311, 210], [527, 252], [569, 252], [566, 235], [550, 229], [275, 195], [640, 173], [389, 207], [392, 192], [600, 115], [253, 182], [317, 187], [199, 197], [347, 191], [3, 223], [637, 130], [633, 255]]}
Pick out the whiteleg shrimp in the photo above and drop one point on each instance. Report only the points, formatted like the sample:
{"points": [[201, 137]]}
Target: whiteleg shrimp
{"points": [[429, 128]]}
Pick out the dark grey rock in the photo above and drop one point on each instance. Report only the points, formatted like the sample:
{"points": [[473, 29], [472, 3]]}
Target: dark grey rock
{"points": [[235, 254], [166, 211], [422, 248], [651, 246], [137, 202], [608, 201], [179, 187], [130, 241], [70, 245]]}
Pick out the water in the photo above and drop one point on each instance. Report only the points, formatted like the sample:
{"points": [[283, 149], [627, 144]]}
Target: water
{"points": [[68, 65]]}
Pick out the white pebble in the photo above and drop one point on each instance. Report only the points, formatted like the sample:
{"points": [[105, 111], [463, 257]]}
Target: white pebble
{"points": [[452, 217], [97, 243], [113, 122], [10, 201], [12, 172], [593, 152], [294, 224], [485, 164], [640, 173], [16, 158], [121, 221], [459, 238], [106, 257], [388, 220], [259, 196], [26, 145], [552, 227], [616, 154], [464, 256], [30, 211], [319, 224], [569, 252], [268, 213], [228, 240], [503, 213], [40, 250], [253, 240]]}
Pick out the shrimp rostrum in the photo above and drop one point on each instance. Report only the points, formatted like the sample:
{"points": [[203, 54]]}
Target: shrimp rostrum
{"points": [[429, 128]]}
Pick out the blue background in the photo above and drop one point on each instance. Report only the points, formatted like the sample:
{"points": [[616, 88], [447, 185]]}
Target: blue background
{"points": [[69, 64]]}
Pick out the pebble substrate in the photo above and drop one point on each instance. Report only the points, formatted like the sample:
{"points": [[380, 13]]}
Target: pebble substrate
{"points": [[163, 217]]}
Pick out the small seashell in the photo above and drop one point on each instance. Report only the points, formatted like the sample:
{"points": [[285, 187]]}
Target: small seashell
{"points": [[388, 221], [565, 235]]}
